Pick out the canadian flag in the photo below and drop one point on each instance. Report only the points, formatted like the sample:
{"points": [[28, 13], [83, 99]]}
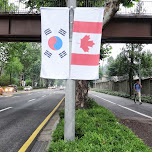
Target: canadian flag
{"points": [[86, 42]]}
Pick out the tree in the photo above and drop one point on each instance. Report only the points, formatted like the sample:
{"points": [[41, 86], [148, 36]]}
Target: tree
{"points": [[7, 7], [127, 63], [146, 64], [28, 56], [14, 66], [28, 53], [100, 72]]}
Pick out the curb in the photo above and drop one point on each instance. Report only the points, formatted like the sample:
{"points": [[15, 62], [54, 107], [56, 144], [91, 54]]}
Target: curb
{"points": [[44, 139]]}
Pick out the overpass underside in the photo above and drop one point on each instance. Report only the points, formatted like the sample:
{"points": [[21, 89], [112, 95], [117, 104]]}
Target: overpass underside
{"points": [[121, 29]]}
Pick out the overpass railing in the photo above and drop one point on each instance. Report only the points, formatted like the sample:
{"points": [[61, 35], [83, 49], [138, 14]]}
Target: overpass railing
{"points": [[30, 7]]}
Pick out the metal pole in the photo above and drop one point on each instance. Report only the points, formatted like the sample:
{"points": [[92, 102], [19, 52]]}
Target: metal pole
{"points": [[139, 71], [139, 7], [95, 84], [69, 117]]}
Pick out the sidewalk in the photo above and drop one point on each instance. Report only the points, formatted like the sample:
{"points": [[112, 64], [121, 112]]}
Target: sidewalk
{"points": [[43, 141]]}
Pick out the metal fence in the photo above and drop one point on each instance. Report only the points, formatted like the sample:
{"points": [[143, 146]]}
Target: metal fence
{"points": [[139, 8], [33, 6]]}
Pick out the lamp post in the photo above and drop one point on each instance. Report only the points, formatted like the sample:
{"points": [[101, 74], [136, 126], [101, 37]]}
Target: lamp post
{"points": [[69, 117]]}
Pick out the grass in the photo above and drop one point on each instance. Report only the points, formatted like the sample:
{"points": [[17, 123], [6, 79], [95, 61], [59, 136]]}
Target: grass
{"points": [[97, 130], [120, 94]]}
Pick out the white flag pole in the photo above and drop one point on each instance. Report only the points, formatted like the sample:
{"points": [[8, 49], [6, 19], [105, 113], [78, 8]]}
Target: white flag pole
{"points": [[69, 117]]}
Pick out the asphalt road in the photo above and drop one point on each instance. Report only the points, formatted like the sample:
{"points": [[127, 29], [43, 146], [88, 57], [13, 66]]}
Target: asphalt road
{"points": [[21, 113], [123, 108]]}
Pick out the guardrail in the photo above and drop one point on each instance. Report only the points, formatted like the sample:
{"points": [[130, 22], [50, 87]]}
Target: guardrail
{"points": [[30, 7]]}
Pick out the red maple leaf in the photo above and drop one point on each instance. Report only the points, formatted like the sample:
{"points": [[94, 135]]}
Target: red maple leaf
{"points": [[85, 43]]}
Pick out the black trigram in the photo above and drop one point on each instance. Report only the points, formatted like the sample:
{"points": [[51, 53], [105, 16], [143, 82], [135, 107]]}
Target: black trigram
{"points": [[62, 54], [48, 54], [47, 31], [62, 32]]}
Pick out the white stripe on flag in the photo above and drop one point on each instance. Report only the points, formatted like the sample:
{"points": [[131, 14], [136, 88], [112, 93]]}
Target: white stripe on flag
{"points": [[88, 14], [55, 43], [90, 72]]}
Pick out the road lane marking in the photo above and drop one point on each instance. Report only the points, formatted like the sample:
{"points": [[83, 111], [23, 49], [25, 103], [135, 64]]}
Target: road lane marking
{"points": [[29, 94], [8, 96], [37, 131], [125, 108], [43, 96], [31, 100], [15, 96], [6, 109]]}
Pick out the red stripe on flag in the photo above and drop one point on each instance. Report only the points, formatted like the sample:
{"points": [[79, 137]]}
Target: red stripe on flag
{"points": [[87, 27], [85, 59]]}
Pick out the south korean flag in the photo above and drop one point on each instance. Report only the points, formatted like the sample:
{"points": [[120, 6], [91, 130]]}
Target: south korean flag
{"points": [[55, 43]]}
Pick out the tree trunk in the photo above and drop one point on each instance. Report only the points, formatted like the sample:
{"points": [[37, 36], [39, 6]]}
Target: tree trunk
{"points": [[130, 82], [81, 94], [10, 78], [131, 71], [111, 7], [20, 79]]}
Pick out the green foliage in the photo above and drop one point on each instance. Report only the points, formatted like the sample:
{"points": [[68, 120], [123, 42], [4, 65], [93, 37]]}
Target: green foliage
{"points": [[105, 51], [146, 64], [128, 3], [126, 61], [36, 4], [97, 130], [23, 58], [13, 66], [7, 7], [20, 88], [61, 114], [59, 132], [28, 82], [91, 104], [5, 80], [100, 72]]}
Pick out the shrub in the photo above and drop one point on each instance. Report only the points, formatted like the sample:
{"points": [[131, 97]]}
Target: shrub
{"points": [[28, 82], [20, 88], [61, 114], [97, 130], [91, 103]]}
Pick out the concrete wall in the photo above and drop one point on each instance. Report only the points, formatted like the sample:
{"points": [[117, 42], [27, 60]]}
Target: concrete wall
{"points": [[123, 86]]}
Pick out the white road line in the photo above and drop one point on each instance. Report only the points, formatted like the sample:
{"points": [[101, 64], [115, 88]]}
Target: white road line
{"points": [[8, 96], [15, 96], [6, 109], [43, 96], [31, 100], [125, 107]]}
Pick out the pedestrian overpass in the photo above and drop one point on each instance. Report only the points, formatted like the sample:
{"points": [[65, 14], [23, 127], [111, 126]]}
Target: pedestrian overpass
{"points": [[132, 27]]}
